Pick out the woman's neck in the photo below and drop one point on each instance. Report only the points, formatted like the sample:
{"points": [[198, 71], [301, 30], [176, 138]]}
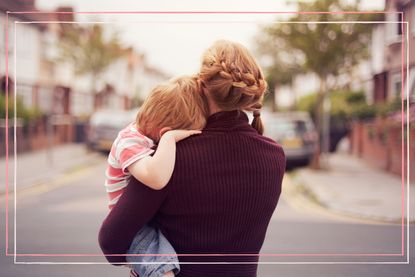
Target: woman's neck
{"points": [[213, 108]]}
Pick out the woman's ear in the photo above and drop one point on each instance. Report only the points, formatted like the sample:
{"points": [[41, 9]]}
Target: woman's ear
{"points": [[163, 130]]}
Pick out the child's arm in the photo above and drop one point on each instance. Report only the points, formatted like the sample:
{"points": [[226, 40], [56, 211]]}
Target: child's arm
{"points": [[156, 171]]}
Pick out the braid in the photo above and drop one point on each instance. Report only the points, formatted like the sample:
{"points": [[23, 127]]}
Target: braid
{"points": [[246, 80], [257, 122], [233, 79]]}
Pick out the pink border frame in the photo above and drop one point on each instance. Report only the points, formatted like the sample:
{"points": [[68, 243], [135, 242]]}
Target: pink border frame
{"points": [[206, 12]]}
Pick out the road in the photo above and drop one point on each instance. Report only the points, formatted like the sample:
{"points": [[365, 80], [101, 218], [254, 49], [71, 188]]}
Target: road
{"points": [[64, 215]]}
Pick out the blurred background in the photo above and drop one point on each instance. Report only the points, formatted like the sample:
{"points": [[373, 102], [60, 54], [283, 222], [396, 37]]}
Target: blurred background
{"points": [[336, 103]]}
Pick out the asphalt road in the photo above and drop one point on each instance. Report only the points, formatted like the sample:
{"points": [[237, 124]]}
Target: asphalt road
{"points": [[64, 216]]}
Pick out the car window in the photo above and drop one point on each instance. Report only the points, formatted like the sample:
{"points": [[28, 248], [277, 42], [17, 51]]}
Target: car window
{"points": [[280, 127]]}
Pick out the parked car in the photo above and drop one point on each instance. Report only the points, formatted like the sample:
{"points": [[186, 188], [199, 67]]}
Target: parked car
{"points": [[295, 132], [104, 126]]}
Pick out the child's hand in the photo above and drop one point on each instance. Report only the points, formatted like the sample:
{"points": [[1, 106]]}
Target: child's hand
{"points": [[179, 135]]}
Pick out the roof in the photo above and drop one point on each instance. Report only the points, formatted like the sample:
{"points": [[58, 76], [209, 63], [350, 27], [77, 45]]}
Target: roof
{"points": [[28, 5]]}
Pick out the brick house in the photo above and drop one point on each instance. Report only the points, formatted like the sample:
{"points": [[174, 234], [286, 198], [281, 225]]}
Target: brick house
{"points": [[382, 141], [387, 52]]}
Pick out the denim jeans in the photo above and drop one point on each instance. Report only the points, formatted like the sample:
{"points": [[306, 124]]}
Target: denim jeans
{"points": [[151, 241]]}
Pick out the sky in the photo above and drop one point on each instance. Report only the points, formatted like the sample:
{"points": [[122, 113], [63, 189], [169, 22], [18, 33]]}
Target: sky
{"points": [[175, 43]]}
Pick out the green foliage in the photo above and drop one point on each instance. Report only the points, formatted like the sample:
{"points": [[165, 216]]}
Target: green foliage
{"points": [[355, 98], [312, 46], [26, 114], [324, 49], [289, 49], [362, 111], [88, 49], [347, 105], [384, 109], [307, 103], [344, 105]]}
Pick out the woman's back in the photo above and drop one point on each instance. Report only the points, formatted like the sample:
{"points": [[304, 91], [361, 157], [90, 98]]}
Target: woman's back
{"points": [[224, 189], [218, 203]]}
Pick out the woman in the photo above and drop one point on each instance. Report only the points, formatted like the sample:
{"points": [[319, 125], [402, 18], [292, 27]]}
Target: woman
{"points": [[226, 182]]}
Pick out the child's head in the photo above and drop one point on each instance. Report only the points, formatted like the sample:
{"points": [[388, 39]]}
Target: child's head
{"points": [[178, 104]]}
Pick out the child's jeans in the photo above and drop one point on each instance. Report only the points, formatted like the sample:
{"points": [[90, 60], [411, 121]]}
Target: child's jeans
{"points": [[151, 241]]}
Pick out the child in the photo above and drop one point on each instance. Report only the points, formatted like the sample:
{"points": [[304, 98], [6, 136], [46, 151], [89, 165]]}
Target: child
{"points": [[172, 112]]}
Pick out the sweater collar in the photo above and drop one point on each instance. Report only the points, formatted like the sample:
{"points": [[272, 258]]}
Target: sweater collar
{"points": [[228, 120]]}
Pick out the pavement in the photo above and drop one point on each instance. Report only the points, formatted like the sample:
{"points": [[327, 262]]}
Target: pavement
{"points": [[349, 186], [31, 167]]}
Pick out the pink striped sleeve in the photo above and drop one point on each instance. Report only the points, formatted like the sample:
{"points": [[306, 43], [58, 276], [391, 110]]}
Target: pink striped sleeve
{"points": [[131, 147]]}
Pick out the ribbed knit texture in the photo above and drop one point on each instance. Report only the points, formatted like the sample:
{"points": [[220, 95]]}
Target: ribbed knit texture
{"points": [[223, 192]]}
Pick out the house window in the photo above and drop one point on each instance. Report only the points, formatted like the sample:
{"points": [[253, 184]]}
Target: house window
{"points": [[399, 24], [25, 93], [2, 34], [411, 84], [412, 92], [396, 89], [413, 19], [393, 27]]}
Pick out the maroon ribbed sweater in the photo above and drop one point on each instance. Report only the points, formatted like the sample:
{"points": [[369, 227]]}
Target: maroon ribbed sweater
{"points": [[225, 186]]}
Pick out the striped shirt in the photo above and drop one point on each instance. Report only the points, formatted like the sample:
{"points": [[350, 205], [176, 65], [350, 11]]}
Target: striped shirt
{"points": [[129, 147]]}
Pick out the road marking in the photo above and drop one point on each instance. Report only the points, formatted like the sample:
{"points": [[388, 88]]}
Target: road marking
{"points": [[65, 179]]}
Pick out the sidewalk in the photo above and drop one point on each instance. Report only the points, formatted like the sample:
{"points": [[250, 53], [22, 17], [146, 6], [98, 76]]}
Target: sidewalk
{"points": [[351, 187], [45, 165]]}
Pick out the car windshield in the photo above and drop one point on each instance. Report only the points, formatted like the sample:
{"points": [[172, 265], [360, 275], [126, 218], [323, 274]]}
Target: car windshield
{"points": [[281, 126], [287, 127], [113, 118]]}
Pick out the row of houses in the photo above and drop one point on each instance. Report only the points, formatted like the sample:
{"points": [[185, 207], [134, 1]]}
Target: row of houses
{"points": [[387, 52], [380, 77], [51, 86], [383, 142]]}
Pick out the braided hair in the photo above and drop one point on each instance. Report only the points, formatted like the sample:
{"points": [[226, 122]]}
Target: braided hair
{"points": [[233, 80]]}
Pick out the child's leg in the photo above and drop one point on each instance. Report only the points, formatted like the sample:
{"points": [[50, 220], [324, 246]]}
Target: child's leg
{"points": [[152, 242], [169, 274], [135, 274]]}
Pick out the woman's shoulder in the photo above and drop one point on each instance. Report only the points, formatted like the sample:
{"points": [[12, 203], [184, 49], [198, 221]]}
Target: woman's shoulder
{"points": [[270, 140], [209, 141], [270, 144]]}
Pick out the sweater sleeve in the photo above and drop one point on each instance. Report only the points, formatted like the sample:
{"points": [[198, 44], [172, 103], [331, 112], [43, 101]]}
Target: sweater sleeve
{"points": [[136, 207]]}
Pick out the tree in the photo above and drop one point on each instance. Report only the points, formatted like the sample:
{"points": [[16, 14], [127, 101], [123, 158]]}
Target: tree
{"points": [[325, 49], [280, 68], [88, 50]]}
